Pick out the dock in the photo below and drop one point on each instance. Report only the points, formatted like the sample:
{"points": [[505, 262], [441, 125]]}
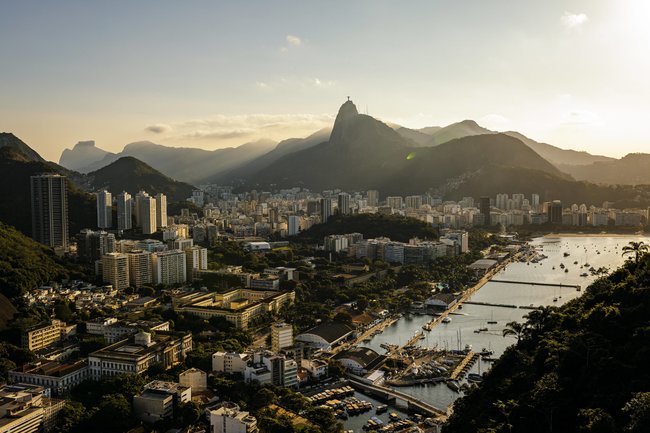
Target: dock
{"points": [[529, 283], [465, 365]]}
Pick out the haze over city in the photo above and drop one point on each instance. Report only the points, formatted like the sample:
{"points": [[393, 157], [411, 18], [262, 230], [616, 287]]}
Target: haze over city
{"points": [[212, 74]]}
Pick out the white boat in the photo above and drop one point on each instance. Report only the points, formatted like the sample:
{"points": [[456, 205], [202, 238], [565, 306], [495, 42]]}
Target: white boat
{"points": [[446, 319]]}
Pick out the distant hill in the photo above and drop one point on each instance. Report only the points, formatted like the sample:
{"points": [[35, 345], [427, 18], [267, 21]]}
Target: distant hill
{"points": [[16, 167], [83, 155], [283, 148], [466, 128], [564, 159], [419, 138], [132, 175], [183, 163], [10, 141], [632, 169]]}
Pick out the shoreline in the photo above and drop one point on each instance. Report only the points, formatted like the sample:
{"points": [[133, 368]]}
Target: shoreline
{"points": [[593, 235]]}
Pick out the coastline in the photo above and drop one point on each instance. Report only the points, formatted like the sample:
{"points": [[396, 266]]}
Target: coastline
{"points": [[555, 235]]}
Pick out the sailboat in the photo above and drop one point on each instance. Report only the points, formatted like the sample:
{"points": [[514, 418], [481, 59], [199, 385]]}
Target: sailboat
{"points": [[492, 321]]}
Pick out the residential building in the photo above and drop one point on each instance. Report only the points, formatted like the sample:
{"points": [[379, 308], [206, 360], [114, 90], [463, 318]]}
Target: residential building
{"points": [[293, 225], [92, 245], [139, 352], [413, 202], [44, 334], [161, 210], [196, 260], [281, 336], [555, 212], [226, 417], [485, 208], [170, 267], [49, 199], [115, 270], [373, 197], [146, 213], [140, 268], [124, 204], [229, 362], [395, 202], [25, 408], [325, 209], [344, 204], [104, 210], [195, 379]]}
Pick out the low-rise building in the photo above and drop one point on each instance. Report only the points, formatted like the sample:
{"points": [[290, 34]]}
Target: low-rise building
{"points": [[136, 354], [57, 378], [229, 362], [26, 409], [159, 399], [195, 379], [226, 417], [359, 360], [44, 334], [326, 335]]}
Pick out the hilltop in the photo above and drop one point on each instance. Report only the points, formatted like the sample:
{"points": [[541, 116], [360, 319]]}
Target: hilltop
{"points": [[132, 175]]}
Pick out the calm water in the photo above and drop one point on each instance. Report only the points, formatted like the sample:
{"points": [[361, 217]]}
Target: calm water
{"points": [[460, 331]]}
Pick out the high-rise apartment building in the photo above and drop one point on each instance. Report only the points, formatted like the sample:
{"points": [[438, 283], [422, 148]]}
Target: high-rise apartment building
{"points": [[485, 208], [115, 270], [293, 225], [92, 245], [161, 210], [104, 210], [394, 202], [325, 209], [555, 212], [49, 196], [344, 204], [170, 267], [535, 201], [140, 268], [146, 213], [414, 202], [373, 197], [196, 259], [124, 211]]}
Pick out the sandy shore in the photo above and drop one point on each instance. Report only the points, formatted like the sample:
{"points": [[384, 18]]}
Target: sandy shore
{"points": [[594, 235]]}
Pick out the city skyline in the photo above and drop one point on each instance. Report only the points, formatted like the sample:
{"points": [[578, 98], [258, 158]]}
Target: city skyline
{"points": [[566, 73]]}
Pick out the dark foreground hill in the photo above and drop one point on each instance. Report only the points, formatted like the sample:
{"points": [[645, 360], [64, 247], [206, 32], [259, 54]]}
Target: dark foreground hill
{"points": [[578, 368], [15, 208], [132, 175]]}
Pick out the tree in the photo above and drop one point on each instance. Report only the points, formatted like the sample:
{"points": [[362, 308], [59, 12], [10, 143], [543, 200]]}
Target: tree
{"points": [[638, 411], [637, 248], [335, 368], [514, 328], [343, 317], [190, 413], [113, 414], [71, 417]]}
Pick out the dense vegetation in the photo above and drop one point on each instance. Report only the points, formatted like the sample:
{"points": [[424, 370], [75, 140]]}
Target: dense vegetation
{"points": [[578, 368], [395, 227], [24, 263], [15, 194]]}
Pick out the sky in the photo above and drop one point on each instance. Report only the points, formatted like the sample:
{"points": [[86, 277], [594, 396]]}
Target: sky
{"points": [[211, 74]]}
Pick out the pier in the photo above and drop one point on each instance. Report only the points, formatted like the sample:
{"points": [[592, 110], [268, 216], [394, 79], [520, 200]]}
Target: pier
{"points": [[388, 394], [528, 283], [465, 365]]}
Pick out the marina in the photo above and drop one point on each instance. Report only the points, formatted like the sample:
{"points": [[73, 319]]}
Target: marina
{"points": [[506, 298]]}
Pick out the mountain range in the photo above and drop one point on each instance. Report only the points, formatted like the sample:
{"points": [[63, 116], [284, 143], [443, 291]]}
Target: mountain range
{"points": [[18, 162]]}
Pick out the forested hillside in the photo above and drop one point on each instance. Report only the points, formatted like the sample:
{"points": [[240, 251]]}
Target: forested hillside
{"points": [[578, 368]]}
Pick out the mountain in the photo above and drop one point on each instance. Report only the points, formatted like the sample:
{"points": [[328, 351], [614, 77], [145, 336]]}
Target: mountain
{"points": [[83, 155], [16, 167], [564, 159], [632, 169], [364, 153], [186, 164], [10, 141], [132, 175], [466, 128], [418, 137], [581, 367], [283, 148]]}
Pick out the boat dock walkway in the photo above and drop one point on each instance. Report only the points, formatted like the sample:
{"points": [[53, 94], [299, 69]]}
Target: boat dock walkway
{"points": [[528, 283], [465, 365]]}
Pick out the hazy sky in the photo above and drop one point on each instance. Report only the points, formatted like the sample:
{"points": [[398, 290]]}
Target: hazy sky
{"points": [[211, 74]]}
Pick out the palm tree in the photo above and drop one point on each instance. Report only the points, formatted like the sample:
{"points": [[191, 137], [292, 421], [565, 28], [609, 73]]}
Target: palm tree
{"points": [[636, 248], [514, 328]]}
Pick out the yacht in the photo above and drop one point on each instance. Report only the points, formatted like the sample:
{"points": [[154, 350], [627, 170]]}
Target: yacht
{"points": [[446, 319]]}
